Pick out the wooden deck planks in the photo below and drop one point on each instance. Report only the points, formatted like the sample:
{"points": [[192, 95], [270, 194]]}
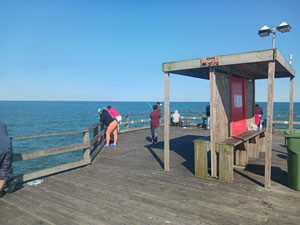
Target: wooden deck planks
{"points": [[127, 185]]}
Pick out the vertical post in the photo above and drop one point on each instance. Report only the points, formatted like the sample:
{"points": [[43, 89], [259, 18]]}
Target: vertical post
{"points": [[273, 39], [95, 132], [268, 155], [166, 123], [213, 114], [226, 162], [200, 154], [86, 151], [127, 124], [291, 114]]}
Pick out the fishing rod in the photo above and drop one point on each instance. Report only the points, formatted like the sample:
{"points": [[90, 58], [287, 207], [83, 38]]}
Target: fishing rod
{"points": [[144, 98]]}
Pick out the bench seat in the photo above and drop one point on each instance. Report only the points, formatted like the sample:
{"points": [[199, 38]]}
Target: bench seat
{"points": [[235, 150], [242, 137], [232, 150]]}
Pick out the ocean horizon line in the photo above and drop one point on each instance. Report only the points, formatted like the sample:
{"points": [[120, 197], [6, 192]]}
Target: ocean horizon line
{"points": [[119, 101]]}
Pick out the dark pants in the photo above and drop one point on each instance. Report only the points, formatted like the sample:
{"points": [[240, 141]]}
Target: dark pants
{"points": [[6, 171], [154, 133]]}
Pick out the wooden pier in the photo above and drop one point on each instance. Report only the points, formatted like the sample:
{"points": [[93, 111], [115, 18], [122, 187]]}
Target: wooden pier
{"points": [[127, 185]]}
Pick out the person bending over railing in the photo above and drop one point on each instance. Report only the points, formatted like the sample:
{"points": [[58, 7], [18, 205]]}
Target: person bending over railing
{"points": [[111, 126]]}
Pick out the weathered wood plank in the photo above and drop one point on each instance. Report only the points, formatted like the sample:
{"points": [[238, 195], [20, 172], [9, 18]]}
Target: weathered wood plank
{"points": [[201, 148], [248, 57], [213, 120], [241, 154], [48, 135], [52, 170], [281, 59], [166, 124], [127, 184], [49, 151], [253, 147], [181, 65], [268, 155], [226, 161]]}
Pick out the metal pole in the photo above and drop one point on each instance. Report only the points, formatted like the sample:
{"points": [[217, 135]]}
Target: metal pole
{"points": [[273, 42]]}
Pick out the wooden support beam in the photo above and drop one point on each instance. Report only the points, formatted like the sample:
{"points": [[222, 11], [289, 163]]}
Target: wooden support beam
{"points": [[200, 151], [291, 114], [166, 123], [268, 155], [241, 154], [226, 161], [213, 118]]}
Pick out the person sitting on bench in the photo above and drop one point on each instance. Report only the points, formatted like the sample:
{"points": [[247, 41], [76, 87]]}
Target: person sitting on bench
{"points": [[175, 118]]}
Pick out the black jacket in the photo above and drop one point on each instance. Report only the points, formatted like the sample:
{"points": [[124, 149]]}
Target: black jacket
{"points": [[106, 118]]}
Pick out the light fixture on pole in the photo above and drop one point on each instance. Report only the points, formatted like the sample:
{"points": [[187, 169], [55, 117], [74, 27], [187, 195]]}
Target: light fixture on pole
{"points": [[265, 31]]}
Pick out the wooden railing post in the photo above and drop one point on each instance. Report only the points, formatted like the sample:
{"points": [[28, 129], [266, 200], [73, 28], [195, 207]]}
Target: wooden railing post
{"points": [[95, 132], [127, 124], [86, 151]]}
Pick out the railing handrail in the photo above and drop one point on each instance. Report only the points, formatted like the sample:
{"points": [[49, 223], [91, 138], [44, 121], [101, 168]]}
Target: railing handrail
{"points": [[48, 135]]}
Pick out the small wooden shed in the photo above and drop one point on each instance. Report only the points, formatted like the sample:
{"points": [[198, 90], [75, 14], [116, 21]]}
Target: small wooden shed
{"points": [[232, 95]]}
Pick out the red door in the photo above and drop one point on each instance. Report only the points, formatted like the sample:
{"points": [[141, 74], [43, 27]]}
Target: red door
{"points": [[238, 105]]}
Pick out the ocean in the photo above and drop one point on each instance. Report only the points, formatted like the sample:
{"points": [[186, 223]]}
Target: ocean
{"points": [[28, 118]]}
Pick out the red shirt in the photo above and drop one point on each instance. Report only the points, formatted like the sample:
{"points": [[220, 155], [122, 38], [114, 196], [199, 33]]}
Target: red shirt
{"points": [[155, 118]]}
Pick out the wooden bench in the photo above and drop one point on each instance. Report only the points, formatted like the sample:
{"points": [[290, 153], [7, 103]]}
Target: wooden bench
{"points": [[234, 150]]}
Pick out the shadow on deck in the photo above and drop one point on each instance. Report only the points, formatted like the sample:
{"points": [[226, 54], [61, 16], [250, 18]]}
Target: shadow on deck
{"points": [[127, 185]]}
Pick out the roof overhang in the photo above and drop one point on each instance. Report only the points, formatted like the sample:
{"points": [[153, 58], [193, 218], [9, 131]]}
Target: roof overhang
{"points": [[250, 65]]}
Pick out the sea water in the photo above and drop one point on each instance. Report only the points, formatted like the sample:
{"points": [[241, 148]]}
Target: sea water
{"points": [[28, 118]]}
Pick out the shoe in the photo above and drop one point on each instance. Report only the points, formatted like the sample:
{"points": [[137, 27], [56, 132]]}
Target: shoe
{"points": [[105, 146], [11, 185], [112, 145]]}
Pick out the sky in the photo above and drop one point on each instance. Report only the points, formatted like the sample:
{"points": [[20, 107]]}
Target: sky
{"points": [[88, 50]]}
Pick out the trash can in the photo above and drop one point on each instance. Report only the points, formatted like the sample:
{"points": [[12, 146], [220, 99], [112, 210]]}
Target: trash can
{"points": [[292, 137]]}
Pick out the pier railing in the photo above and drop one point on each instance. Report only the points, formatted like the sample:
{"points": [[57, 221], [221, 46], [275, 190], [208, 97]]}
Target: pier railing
{"points": [[92, 142], [90, 149], [131, 125]]}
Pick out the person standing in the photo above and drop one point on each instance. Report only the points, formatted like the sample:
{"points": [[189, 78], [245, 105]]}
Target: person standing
{"points": [[111, 126], [208, 116], [258, 111], [6, 154], [155, 123]]}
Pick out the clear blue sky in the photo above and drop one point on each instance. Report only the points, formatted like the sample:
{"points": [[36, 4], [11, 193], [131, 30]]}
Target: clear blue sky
{"points": [[113, 50]]}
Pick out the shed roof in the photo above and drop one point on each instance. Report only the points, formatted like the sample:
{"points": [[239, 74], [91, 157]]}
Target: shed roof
{"points": [[251, 65]]}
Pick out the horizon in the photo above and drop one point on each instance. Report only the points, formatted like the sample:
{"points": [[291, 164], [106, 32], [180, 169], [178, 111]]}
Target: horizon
{"points": [[120, 101]]}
